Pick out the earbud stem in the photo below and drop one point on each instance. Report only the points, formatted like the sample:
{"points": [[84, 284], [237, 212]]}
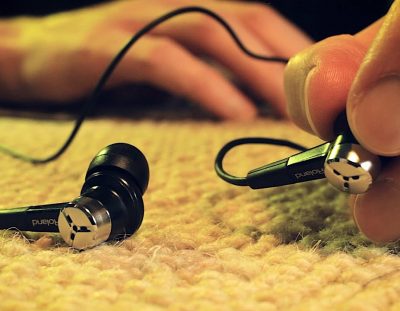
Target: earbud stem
{"points": [[40, 218], [304, 166]]}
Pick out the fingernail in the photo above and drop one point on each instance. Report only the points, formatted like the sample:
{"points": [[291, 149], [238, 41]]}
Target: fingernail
{"points": [[296, 79], [306, 100], [375, 118]]}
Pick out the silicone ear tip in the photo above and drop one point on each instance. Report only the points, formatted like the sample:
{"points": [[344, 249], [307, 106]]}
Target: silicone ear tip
{"points": [[125, 157]]}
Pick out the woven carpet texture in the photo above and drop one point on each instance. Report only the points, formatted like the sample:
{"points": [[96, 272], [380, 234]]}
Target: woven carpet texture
{"points": [[203, 244]]}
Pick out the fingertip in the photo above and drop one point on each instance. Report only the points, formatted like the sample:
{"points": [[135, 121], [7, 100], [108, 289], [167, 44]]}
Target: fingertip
{"points": [[239, 110], [377, 212]]}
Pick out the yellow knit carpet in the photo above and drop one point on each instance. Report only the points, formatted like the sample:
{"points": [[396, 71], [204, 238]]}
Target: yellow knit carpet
{"points": [[204, 244]]}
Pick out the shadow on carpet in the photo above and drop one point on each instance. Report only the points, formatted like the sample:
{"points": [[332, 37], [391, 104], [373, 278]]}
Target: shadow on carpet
{"points": [[314, 215]]}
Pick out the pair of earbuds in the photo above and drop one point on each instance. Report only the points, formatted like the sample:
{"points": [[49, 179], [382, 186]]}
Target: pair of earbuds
{"points": [[110, 205]]}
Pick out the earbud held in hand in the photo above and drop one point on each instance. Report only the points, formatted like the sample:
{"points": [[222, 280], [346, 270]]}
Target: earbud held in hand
{"points": [[343, 161], [349, 167], [110, 206]]}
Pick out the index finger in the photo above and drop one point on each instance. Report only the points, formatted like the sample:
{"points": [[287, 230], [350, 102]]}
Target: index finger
{"points": [[318, 79]]}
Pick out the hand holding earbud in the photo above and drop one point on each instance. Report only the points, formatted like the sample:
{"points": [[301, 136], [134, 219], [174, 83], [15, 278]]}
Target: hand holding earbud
{"points": [[364, 72]]}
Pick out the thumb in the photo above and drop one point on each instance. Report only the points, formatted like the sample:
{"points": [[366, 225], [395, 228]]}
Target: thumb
{"points": [[373, 105]]}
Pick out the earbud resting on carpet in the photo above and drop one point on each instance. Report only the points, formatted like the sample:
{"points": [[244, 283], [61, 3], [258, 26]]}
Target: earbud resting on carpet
{"points": [[110, 206]]}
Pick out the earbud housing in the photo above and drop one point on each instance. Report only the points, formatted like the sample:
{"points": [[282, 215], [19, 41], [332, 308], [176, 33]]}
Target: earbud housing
{"points": [[110, 206]]}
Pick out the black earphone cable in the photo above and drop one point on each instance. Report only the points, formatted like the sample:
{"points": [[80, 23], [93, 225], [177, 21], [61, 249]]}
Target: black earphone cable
{"points": [[242, 181], [93, 98]]}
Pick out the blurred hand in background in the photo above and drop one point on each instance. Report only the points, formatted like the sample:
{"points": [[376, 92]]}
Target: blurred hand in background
{"points": [[61, 56]]}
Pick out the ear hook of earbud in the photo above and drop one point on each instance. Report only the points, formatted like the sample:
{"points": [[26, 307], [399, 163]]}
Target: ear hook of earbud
{"points": [[110, 206], [343, 161]]}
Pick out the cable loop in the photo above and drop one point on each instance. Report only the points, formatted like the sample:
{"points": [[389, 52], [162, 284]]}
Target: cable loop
{"points": [[242, 181]]}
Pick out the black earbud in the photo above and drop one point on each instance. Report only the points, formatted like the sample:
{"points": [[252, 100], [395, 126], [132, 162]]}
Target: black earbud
{"points": [[343, 161], [110, 206]]}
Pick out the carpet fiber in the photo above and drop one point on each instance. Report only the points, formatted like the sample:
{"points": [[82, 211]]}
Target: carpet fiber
{"points": [[203, 244]]}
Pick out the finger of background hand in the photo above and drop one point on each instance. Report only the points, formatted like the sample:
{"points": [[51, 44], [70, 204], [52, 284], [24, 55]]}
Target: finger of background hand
{"points": [[208, 38], [374, 99], [160, 62], [377, 212], [202, 35], [275, 31], [164, 63]]}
